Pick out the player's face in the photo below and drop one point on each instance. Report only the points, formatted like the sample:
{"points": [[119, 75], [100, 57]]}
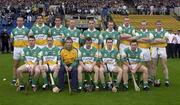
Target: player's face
{"points": [[109, 43], [31, 42], [134, 46], [143, 25], [158, 25], [88, 44], [126, 21], [40, 20], [57, 22], [72, 23], [91, 24], [20, 21], [50, 41], [110, 25], [68, 43]]}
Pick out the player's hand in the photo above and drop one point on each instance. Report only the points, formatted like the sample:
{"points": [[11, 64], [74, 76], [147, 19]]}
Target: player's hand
{"points": [[82, 36], [66, 67], [70, 68]]}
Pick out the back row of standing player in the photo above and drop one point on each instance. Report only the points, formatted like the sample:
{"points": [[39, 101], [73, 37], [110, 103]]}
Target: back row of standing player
{"points": [[148, 40]]}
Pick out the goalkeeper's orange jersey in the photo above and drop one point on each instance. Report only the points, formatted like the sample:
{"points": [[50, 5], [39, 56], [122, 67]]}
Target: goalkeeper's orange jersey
{"points": [[69, 56]]}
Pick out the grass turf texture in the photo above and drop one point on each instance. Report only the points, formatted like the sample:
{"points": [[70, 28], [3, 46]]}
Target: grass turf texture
{"points": [[156, 96]]}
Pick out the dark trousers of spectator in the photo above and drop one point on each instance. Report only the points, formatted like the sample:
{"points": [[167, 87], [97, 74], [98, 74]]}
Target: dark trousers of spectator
{"points": [[5, 46], [170, 50], [72, 74], [177, 50]]}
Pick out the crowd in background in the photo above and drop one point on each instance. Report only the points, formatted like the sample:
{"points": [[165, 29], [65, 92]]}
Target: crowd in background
{"points": [[11, 9]]}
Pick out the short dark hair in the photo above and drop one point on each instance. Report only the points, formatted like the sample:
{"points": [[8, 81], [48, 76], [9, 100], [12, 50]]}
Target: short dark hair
{"points": [[88, 39], [38, 16], [20, 17], [68, 38], [133, 41], [58, 17], [109, 39], [31, 37], [158, 21]]}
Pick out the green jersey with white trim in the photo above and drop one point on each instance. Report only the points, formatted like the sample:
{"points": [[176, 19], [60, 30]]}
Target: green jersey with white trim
{"points": [[20, 36], [58, 35], [31, 55], [95, 35], [113, 34], [50, 55], [133, 56], [75, 35], [88, 56], [110, 57], [40, 33]]}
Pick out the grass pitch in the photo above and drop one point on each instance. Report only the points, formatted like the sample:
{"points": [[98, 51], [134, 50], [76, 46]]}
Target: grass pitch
{"points": [[156, 96]]}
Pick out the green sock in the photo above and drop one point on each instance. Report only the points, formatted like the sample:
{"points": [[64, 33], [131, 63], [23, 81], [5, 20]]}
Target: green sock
{"points": [[103, 84], [21, 82], [45, 80], [95, 83], [80, 84]]}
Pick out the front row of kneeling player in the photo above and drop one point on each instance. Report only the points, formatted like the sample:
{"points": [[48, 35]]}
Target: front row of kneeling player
{"points": [[103, 64]]}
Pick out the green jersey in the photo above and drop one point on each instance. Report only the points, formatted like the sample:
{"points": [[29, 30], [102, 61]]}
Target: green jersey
{"points": [[20, 36], [95, 35], [113, 34], [75, 35], [126, 31], [144, 34], [88, 56], [58, 35], [31, 55], [133, 56], [50, 55], [110, 57], [159, 34], [40, 33]]}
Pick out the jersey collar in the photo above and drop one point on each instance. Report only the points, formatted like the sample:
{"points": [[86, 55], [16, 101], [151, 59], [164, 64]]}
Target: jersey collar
{"points": [[144, 31], [160, 30], [86, 48], [21, 27], [37, 25], [33, 47], [92, 30], [72, 29], [57, 27], [110, 31], [127, 27]]}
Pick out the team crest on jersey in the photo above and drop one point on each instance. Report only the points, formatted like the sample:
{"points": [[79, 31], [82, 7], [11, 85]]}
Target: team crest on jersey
{"points": [[94, 35], [44, 31], [15, 32], [36, 31], [91, 54], [83, 54], [75, 34], [112, 55], [54, 32], [27, 53], [24, 32], [46, 53], [105, 55], [88, 35]]}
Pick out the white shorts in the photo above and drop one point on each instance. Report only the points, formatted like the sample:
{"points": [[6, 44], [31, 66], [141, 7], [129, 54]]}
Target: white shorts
{"points": [[146, 54], [50, 66], [110, 68], [17, 53], [122, 47], [158, 51]]}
